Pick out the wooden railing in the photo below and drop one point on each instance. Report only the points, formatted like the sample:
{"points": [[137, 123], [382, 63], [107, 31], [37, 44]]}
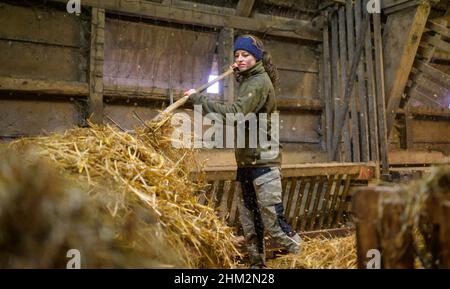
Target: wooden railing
{"points": [[315, 196]]}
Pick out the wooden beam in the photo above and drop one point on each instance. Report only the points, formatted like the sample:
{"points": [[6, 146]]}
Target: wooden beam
{"points": [[437, 74], [303, 6], [427, 111], [356, 153], [438, 27], [381, 101], [343, 124], [437, 91], [334, 104], [390, 7], [362, 91], [326, 77], [44, 86], [244, 8], [422, 97], [437, 42], [408, 128], [297, 170], [401, 39], [226, 58], [371, 97], [300, 104], [271, 25], [415, 157], [97, 56]]}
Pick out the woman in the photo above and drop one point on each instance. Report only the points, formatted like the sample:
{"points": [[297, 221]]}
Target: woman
{"points": [[259, 202]]}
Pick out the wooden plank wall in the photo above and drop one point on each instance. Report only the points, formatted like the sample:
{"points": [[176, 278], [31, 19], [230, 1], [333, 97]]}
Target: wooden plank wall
{"points": [[314, 198], [147, 63], [360, 135]]}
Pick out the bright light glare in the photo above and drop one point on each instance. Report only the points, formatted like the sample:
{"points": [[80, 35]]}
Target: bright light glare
{"points": [[215, 87]]}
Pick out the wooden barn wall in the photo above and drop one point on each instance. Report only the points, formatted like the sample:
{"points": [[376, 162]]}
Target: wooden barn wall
{"points": [[25, 116], [42, 44], [432, 134], [145, 56]]}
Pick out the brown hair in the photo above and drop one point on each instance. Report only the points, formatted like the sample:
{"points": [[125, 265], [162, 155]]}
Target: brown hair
{"points": [[270, 68]]}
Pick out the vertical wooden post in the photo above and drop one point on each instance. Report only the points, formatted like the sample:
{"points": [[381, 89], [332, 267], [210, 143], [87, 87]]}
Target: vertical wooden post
{"points": [[326, 74], [380, 99], [401, 39], [365, 208], [335, 76], [363, 115], [371, 97], [408, 128], [349, 8], [96, 65], [344, 79], [226, 58]]}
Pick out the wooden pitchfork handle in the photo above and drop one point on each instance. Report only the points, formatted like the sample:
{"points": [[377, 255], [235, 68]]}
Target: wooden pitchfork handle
{"points": [[183, 100]]}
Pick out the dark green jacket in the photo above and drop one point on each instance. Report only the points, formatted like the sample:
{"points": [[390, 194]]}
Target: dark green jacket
{"points": [[255, 95]]}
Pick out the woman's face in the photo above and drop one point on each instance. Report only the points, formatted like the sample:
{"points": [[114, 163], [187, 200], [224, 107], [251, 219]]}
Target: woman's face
{"points": [[244, 59]]}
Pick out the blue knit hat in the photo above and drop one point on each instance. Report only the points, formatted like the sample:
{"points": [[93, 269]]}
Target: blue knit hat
{"points": [[246, 43]]}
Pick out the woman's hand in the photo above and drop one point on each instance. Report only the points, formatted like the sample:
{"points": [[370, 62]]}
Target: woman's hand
{"points": [[234, 66]]}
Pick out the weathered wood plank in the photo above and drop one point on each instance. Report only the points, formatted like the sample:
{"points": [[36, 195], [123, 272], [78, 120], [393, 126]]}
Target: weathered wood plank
{"points": [[325, 201], [334, 197], [292, 192], [97, 56], [437, 42], [433, 72], [342, 201], [362, 92], [371, 97], [300, 104], [439, 28], [43, 86], [41, 62], [270, 25], [45, 26], [326, 69], [343, 115], [314, 216], [380, 91], [415, 93], [226, 58], [335, 75], [354, 101], [244, 8], [294, 170], [298, 202], [401, 39], [306, 211], [343, 125], [436, 90]]}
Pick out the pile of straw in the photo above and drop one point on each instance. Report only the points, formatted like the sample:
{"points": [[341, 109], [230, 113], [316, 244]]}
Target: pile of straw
{"points": [[144, 170], [44, 215], [320, 253]]}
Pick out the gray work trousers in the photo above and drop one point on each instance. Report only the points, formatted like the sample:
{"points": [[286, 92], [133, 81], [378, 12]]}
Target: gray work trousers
{"points": [[261, 210]]}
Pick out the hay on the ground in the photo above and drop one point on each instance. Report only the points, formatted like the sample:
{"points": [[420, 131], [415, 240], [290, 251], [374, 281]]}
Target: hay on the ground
{"points": [[145, 170], [44, 215], [320, 253]]}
